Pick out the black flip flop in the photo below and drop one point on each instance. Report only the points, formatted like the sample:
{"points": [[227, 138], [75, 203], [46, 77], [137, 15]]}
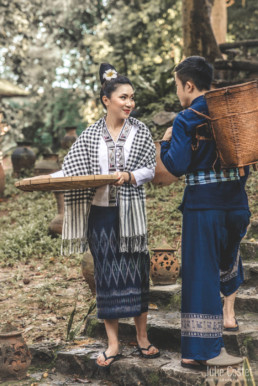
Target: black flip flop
{"points": [[150, 356], [232, 328], [114, 357], [199, 367]]}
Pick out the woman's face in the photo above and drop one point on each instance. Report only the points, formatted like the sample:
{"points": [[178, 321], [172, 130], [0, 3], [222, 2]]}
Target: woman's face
{"points": [[121, 102]]}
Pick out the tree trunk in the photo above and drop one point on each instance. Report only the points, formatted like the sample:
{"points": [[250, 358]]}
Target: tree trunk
{"points": [[219, 20], [197, 31]]}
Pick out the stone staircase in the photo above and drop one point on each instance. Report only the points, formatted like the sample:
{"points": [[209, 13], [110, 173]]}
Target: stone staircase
{"points": [[164, 331]]}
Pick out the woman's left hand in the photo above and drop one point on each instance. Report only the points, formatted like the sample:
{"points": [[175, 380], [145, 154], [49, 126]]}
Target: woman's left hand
{"points": [[122, 178]]}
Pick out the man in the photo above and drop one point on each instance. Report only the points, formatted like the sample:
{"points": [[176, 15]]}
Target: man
{"points": [[215, 217]]}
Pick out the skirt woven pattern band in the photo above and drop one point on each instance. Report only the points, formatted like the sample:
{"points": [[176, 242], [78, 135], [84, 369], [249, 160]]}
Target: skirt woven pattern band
{"points": [[122, 279]]}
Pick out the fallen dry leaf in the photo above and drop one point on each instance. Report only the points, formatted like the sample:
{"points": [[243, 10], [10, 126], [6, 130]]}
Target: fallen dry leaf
{"points": [[84, 342], [153, 307]]}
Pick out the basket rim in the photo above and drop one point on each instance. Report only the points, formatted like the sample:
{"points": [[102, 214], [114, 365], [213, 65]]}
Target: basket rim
{"points": [[210, 93]]}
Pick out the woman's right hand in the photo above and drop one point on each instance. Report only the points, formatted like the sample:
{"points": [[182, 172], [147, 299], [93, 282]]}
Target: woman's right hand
{"points": [[120, 178], [168, 134]]}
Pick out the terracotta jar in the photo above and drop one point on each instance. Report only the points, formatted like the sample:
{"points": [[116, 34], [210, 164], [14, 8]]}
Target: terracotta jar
{"points": [[49, 164], [2, 179], [56, 225], [15, 357], [22, 158], [87, 265], [69, 138], [164, 265], [162, 176]]}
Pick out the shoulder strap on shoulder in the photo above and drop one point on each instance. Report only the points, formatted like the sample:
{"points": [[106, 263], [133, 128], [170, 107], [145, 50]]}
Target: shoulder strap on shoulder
{"points": [[201, 114]]}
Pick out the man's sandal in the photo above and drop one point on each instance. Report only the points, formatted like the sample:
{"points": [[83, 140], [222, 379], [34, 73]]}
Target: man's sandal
{"points": [[113, 357], [148, 356]]}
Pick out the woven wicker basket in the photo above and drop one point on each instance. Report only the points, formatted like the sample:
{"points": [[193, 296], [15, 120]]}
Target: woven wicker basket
{"points": [[233, 113]]}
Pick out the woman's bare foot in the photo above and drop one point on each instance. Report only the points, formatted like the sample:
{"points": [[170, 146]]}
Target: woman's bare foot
{"points": [[143, 342], [111, 351]]}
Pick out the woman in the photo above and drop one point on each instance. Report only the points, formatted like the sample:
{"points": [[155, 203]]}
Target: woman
{"points": [[112, 219]]}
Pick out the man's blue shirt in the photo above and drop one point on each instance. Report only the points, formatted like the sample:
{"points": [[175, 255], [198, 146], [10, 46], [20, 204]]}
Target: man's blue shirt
{"points": [[179, 158]]}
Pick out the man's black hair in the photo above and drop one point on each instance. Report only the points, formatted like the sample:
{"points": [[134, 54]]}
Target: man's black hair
{"points": [[197, 70]]}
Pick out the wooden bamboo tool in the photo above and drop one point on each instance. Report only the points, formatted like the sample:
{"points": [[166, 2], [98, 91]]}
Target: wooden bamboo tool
{"points": [[65, 183]]}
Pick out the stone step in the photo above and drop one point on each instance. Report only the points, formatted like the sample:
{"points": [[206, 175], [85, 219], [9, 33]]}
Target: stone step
{"points": [[250, 273], [247, 300], [249, 249], [132, 370], [168, 297], [164, 330]]}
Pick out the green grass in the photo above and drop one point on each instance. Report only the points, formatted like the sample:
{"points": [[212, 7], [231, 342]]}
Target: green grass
{"points": [[164, 218], [25, 218], [24, 224]]}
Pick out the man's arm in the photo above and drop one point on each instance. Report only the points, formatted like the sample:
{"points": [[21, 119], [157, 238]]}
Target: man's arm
{"points": [[176, 154]]}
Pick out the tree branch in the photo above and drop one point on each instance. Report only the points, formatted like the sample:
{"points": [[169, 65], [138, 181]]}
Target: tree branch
{"points": [[240, 65], [244, 43]]}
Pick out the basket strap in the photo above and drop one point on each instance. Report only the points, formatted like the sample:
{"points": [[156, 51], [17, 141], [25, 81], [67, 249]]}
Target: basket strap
{"points": [[198, 113], [200, 133]]}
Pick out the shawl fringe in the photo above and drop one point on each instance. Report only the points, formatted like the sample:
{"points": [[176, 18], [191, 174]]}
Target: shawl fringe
{"points": [[74, 246], [134, 244]]}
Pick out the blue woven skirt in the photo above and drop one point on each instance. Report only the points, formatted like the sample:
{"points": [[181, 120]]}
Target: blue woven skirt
{"points": [[122, 279]]}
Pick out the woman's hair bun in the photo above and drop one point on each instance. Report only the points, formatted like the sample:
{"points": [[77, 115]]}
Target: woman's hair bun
{"points": [[107, 72]]}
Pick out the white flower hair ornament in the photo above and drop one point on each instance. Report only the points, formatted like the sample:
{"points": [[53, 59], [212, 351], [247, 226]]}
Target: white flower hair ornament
{"points": [[110, 74]]}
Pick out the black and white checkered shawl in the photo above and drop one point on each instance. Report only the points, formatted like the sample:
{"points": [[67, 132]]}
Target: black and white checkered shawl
{"points": [[83, 159]]}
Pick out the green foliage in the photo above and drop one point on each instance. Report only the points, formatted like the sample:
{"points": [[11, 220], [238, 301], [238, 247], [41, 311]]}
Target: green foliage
{"points": [[72, 334], [242, 20], [145, 48], [143, 39], [61, 109]]}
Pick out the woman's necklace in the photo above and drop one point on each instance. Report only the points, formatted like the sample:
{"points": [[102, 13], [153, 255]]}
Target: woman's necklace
{"points": [[115, 133]]}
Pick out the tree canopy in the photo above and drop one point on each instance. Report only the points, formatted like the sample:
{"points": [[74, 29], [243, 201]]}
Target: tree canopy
{"points": [[54, 49]]}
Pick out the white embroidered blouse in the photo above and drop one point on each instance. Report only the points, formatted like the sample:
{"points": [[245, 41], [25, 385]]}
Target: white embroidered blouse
{"points": [[142, 175]]}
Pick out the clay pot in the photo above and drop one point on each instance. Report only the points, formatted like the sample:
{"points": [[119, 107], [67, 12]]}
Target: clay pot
{"points": [[22, 158], [164, 266], [69, 138], [48, 165], [2, 179], [87, 265], [162, 176], [56, 225], [15, 357]]}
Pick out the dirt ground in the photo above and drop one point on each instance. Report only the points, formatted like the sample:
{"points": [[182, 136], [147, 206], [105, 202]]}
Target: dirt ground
{"points": [[39, 301]]}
